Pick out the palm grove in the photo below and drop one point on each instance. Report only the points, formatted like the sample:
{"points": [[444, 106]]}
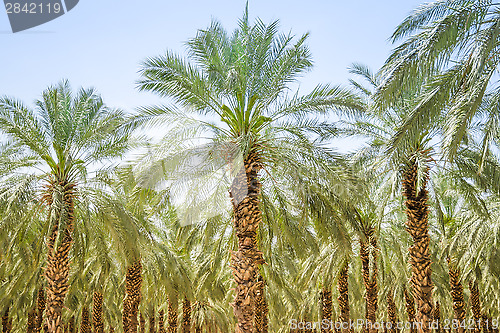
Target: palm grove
{"points": [[296, 237]]}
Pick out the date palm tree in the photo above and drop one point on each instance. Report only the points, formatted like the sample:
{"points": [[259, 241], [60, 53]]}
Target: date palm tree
{"points": [[238, 84], [64, 136], [450, 48]]}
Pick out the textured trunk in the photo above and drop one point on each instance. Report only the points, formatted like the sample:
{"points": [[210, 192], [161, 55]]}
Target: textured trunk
{"points": [[343, 299], [152, 323], [475, 303], [61, 202], [487, 324], [260, 300], [172, 316], [133, 283], [391, 325], [457, 295], [40, 308], [142, 324], [246, 260], [436, 316], [71, 326], [85, 324], [410, 310], [326, 310], [31, 321], [417, 226], [186, 316], [337, 327], [97, 313], [161, 322], [6, 322], [370, 276]]}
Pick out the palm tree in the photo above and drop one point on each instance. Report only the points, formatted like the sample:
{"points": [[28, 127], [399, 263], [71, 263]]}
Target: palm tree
{"points": [[241, 82], [451, 48], [63, 136]]}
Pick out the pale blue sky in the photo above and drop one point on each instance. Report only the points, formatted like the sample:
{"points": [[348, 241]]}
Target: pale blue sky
{"points": [[101, 43]]}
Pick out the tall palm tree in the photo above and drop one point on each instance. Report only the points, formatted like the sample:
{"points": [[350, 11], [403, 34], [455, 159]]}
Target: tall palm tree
{"points": [[63, 136], [239, 83]]}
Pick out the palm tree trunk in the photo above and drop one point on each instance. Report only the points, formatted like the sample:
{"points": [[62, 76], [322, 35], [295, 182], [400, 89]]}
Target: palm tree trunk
{"points": [[97, 313], [391, 325], [436, 316], [41, 303], [31, 322], [370, 279], [133, 283], [410, 310], [152, 322], [57, 271], [259, 307], [457, 295], [71, 326], [85, 324], [265, 314], [186, 316], [487, 323], [246, 260], [6, 322], [161, 322], [417, 226], [475, 305], [326, 310], [343, 299], [172, 316]]}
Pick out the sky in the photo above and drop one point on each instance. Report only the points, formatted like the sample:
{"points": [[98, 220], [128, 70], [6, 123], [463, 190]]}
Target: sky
{"points": [[101, 43]]}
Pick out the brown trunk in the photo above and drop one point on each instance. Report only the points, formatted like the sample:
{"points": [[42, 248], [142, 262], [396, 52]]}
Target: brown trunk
{"points": [[260, 304], [85, 324], [142, 324], [337, 327], [186, 316], [391, 325], [57, 270], [161, 322], [326, 310], [133, 281], [6, 322], [40, 308], [97, 313], [265, 314], [457, 295], [343, 299], [71, 326], [152, 323], [436, 317], [417, 226], [172, 316], [475, 303], [370, 279], [487, 324], [410, 310], [31, 321], [246, 260]]}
